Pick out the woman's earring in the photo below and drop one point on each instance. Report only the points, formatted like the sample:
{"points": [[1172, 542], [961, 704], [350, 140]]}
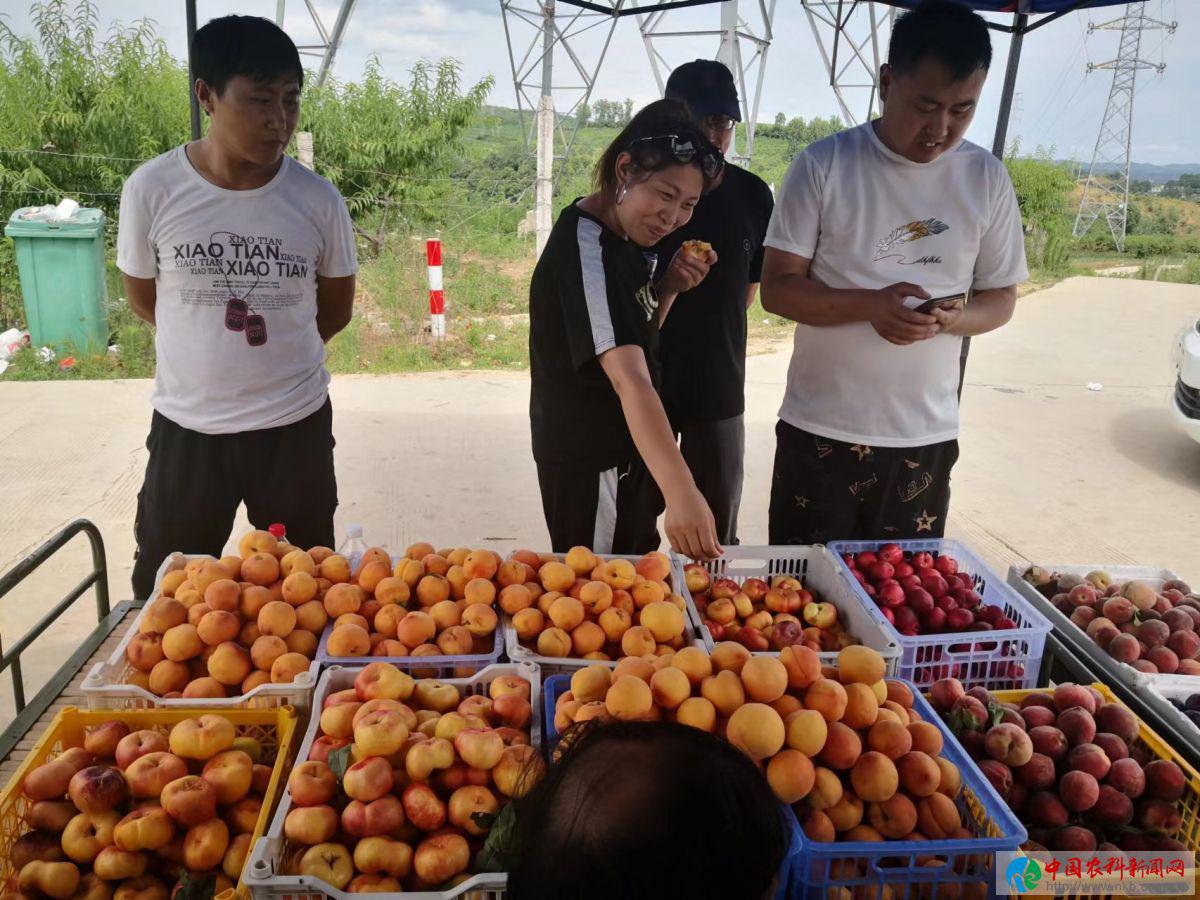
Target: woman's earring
{"points": [[621, 192]]}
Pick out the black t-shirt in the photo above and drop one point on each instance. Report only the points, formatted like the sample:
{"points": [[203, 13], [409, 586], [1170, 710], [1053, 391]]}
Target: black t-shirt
{"points": [[590, 292], [703, 341]]}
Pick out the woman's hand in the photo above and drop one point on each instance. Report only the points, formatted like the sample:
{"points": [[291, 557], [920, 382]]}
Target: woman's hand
{"points": [[686, 271], [691, 528]]}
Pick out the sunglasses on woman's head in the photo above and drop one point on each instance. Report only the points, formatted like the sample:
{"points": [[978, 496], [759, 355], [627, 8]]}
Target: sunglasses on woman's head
{"points": [[684, 150]]}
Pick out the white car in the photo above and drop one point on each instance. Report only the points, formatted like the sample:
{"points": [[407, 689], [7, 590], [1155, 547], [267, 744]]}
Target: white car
{"points": [[1186, 403]]}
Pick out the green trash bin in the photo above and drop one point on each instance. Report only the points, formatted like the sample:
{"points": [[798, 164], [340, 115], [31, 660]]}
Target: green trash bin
{"points": [[62, 279]]}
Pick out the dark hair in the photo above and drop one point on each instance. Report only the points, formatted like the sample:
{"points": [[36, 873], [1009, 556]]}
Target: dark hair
{"points": [[654, 119], [243, 45], [943, 30], [648, 810]]}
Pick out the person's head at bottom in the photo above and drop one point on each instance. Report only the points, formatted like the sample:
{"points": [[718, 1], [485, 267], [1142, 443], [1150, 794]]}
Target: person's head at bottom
{"points": [[652, 175], [648, 810]]}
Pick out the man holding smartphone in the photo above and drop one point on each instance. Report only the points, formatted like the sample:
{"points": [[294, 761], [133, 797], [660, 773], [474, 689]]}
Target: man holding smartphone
{"points": [[890, 243]]}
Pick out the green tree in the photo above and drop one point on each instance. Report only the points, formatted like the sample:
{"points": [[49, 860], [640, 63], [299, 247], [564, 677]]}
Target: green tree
{"points": [[780, 119], [83, 111], [370, 137], [583, 115], [627, 112]]}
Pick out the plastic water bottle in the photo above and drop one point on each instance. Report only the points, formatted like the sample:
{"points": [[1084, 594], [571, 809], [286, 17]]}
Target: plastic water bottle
{"points": [[354, 546], [278, 531]]}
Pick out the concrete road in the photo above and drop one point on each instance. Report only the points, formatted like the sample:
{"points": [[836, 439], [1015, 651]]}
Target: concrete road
{"points": [[1049, 471]]}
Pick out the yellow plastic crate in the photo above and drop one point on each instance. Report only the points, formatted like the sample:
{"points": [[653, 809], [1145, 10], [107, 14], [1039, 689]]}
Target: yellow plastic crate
{"points": [[1188, 805], [273, 728]]}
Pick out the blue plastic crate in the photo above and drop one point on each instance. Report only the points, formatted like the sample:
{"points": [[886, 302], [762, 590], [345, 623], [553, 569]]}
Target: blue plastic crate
{"points": [[812, 868], [996, 660], [420, 666]]}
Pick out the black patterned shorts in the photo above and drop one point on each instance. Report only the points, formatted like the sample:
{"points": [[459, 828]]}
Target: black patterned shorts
{"points": [[824, 490]]}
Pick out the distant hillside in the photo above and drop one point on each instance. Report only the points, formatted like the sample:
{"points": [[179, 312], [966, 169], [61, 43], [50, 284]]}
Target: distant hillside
{"points": [[1149, 171]]}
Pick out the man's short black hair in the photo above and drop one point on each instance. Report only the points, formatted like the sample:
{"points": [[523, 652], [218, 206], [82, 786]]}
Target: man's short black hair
{"points": [[943, 30], [243, 45]]}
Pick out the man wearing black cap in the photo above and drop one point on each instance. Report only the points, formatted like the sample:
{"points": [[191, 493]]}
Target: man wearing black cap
{"points": [[702, 343]]}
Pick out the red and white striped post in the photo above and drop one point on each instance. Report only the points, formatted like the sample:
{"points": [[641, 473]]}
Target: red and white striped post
{"points": [[437, 299]]}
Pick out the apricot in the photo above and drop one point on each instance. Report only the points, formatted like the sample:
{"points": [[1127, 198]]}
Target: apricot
{"points": [[259, 568], [826, 791], [334, 568], [920, 775], [951, 779], [764, 678], [455, 641], [182, 643], [591, 683], [894, 818], [302, 642], [860, 665], [842, 747], [664, 620], [556, 576], [670, 687], [480, 620], [416, 628], [230, 663], [638, 641], [554, 642], [285, 668], [644, 593], [311, 616], [167, 676], [806, 731], [596, 597], [862, 706], [891, 738], [874, 777], [343, 598], [298, 588], [615, 622], [566, 612], [432, 589], [898, 692], [348, 640], [529, 623], [756, 730], [697, 712], [724, 690], [266, 650], [618, 574], [223, 594], [847, 813], [636, 666], [277, 618], [588, 637], [730, 656], [790, 774], [827, 697], [926, 738], [628, 698]]}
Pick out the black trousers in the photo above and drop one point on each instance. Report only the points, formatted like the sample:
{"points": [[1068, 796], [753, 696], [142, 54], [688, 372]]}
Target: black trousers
{"points": [[194, 483], [824, 490], [715, 453], [611, 511]]}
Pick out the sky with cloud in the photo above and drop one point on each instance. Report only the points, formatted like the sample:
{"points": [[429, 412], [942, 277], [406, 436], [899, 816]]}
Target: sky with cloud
{"points": [[1058, 105]]}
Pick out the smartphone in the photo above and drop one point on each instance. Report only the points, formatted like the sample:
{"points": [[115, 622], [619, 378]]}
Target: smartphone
{"points": [[941, 303]]}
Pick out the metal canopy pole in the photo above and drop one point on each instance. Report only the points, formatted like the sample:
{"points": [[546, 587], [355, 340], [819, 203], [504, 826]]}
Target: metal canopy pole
{"points": [[190, 6], [1020, 20]]}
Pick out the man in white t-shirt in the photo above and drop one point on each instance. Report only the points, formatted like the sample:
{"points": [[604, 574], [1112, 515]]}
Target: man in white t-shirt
{"points": [[870, 223], [244, 261]]}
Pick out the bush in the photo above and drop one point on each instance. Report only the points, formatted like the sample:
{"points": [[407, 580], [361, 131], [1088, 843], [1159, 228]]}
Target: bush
{"points": [[1145, 246]]}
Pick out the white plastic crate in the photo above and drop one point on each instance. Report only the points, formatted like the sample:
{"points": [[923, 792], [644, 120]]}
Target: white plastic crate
{"points": [[270, 852], [107, 685], [817, 570], [1122, 672], [996, 660], [1176, 687], [569, 665]]}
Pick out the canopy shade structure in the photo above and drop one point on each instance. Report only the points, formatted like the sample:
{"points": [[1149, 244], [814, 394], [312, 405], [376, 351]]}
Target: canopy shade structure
{"points": [[621, 8]]}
